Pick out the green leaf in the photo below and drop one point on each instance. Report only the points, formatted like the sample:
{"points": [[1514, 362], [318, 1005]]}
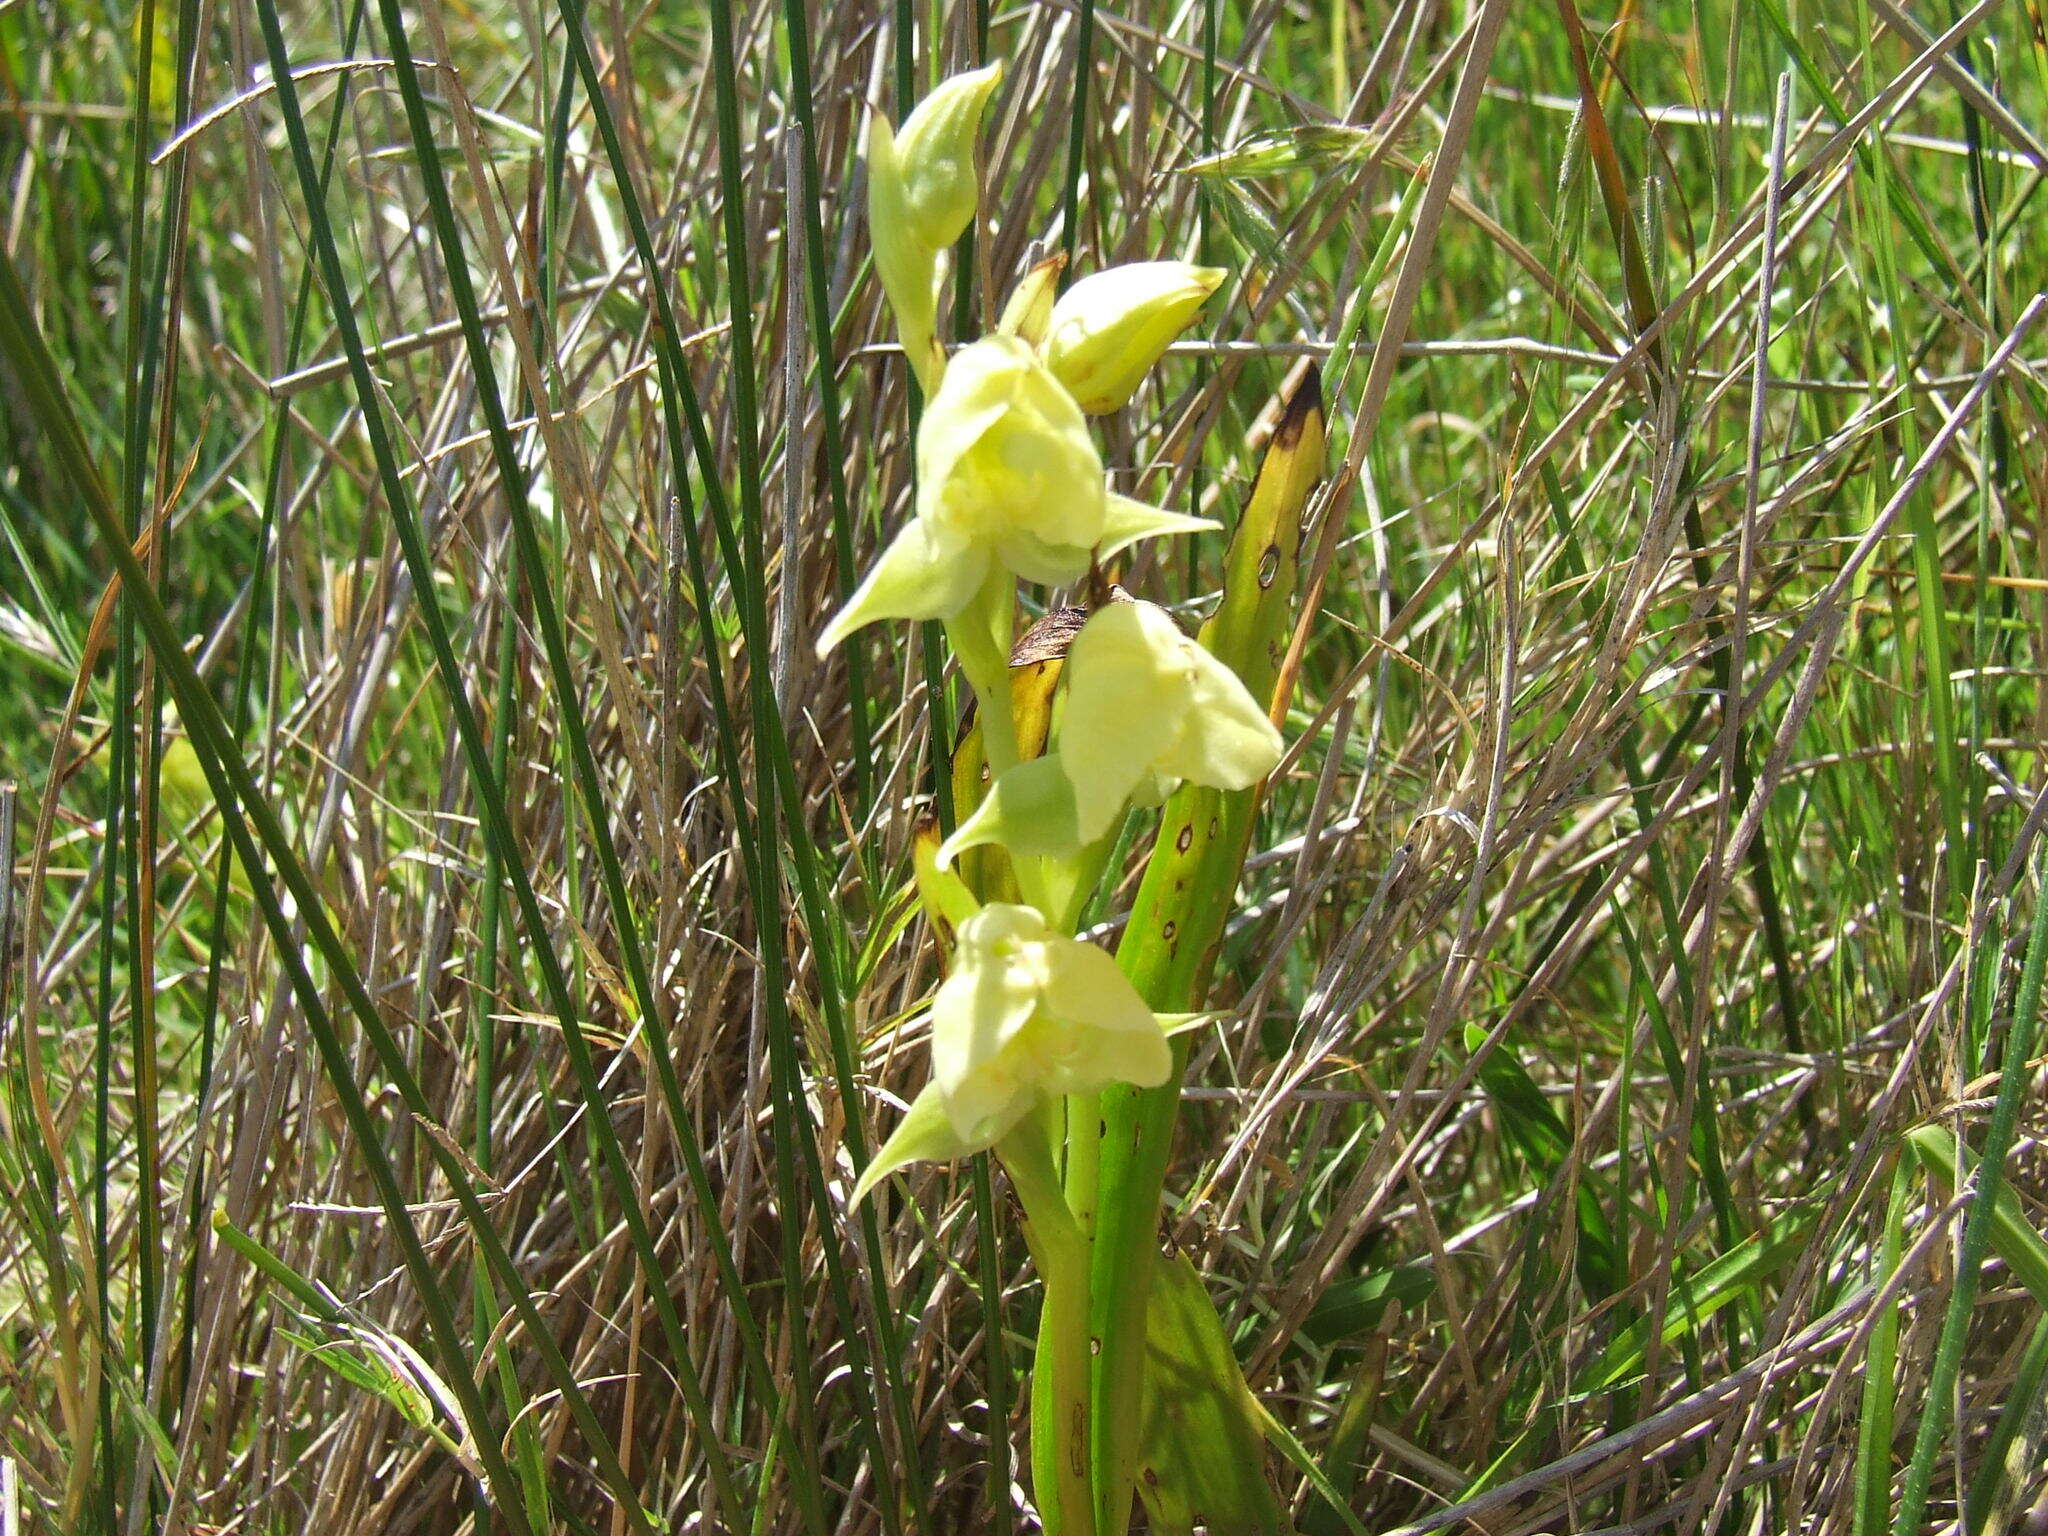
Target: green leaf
{"points": [[1536, 1130], [1169, 947], [1202, 1444], [2013, 1237], [1352, 1308], [1698, 1296]]}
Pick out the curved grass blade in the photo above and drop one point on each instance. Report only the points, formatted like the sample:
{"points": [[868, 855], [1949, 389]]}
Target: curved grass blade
{"points": [[1539, 1134], [2010, 1235], [1880, 1383]]}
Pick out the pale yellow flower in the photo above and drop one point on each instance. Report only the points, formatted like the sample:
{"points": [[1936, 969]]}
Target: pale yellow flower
{"points": [[1004, 459], [1145, 708], [1009, 479], [1024, 1014]]}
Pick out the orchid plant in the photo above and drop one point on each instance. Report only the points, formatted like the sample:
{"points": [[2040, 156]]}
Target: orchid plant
{"points": [[1031, 1021]]}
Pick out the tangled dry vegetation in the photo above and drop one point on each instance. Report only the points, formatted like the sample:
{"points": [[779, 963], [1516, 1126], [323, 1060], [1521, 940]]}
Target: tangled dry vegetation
{"points": [[1657, 845]]}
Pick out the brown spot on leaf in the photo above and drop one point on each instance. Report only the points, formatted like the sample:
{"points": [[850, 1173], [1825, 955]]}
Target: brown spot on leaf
{"points": [[1186, 840]]}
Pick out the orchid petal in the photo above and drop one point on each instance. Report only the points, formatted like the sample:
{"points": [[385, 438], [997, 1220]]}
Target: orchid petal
{"points": [[1123, 709], [1226, 740], [1029, 809], [927, 572], [1127, 521], [923, 1135]]}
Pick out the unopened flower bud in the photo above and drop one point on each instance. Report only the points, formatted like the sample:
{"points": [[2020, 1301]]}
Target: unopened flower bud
{"points": [[1110, 328], [935, 148], [907, 266]]}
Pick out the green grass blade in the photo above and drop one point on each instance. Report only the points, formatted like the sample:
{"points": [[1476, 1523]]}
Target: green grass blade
{"points": [[1982, 1230], [1880, 1368]]}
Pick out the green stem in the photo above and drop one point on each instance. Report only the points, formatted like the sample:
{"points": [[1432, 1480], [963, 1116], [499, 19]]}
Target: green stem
{"points": [[1059, 1380], [1084, 1160], [980, 635], [1059, 1404]]}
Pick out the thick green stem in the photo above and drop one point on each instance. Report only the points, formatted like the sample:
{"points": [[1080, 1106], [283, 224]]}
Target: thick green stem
{"points": [[1059, 1404], [980, 637], [1059, 1381], [1084, 1159]]}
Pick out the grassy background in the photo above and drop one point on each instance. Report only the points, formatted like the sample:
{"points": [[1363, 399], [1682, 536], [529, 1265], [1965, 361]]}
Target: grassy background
{"points": [[1551, 1176]]}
